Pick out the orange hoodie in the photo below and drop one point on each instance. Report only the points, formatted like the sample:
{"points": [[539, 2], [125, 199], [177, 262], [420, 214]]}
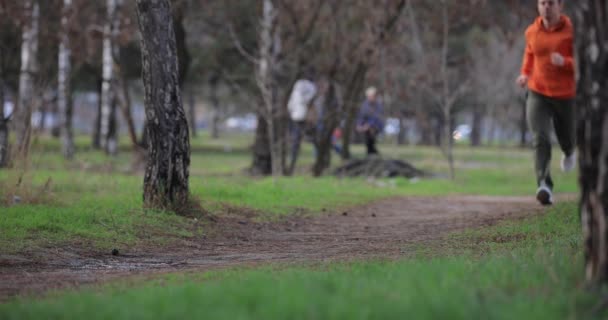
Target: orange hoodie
{"points": [[544, 77]]}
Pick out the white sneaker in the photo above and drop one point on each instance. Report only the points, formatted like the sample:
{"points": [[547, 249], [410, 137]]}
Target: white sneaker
{"points": [[544, 195], [568, 162]]}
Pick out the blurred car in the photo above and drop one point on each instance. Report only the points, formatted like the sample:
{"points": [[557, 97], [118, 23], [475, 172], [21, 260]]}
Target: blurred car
{"points": [[392, 127], [462, 132], [247, 122]]}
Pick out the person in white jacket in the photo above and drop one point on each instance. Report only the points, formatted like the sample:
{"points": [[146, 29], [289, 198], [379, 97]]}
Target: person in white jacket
{"points": [[300, 100]]}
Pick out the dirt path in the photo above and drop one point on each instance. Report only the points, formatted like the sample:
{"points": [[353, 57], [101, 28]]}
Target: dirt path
{"points": [[381, 229]]}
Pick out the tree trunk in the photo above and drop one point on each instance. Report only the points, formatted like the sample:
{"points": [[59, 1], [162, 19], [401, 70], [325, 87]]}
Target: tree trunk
{"points": [[476, 127], [64, 91], [323, 141], [4, 154], [448, 139], [125, 106], [438, 124], [425, 126], [29, 69], [266, 73], [262, 161], [108, 96], [192, 112], [96, 136], [593, 136], [402, 138], [352, 102], [183, 56], [167, 171], [215, 106], [143, 142], [449, 97], [51, 101]]}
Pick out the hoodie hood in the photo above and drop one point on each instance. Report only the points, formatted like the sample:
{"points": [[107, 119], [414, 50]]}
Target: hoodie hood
{"points": [[564, 22]]}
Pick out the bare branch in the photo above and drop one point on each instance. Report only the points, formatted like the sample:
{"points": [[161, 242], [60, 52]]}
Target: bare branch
{"points": [[237, 44]]}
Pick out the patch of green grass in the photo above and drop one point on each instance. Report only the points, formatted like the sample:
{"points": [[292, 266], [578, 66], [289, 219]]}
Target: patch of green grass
{"points": [[536, 275], [91, 208]]}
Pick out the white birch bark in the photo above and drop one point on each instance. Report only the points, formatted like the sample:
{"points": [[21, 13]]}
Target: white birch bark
{"points": [[29, 68], [64, 92], [108, 139], [270, 48]]}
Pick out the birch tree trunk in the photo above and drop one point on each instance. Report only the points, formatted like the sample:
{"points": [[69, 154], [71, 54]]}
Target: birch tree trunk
{"points": [[593, 135], [64, 90], [29, 69], [108, 139], [270, 48], [167, 171]]}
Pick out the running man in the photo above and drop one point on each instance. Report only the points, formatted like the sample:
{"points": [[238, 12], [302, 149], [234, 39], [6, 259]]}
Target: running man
{"points": [[548, 72]]}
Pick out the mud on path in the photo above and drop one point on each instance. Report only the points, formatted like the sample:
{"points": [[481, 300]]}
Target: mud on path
{"points": [[381, 229]]}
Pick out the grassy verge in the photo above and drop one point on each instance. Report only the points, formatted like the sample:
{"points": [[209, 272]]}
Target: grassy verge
{"points": [[530, 269]]}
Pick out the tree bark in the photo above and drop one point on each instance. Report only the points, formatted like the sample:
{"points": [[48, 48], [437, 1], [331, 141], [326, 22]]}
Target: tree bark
{"points": [[64, 91], [29, 69], [448, 97], [108, 140], [192, 112], [183, 56], [96, 135], [167, 171], [402, 138], [476, 127], [262, 161], [593, 135], [323, 141], [266, 74], [125, 106], [4, 154], [215, 106], [352, 101]]}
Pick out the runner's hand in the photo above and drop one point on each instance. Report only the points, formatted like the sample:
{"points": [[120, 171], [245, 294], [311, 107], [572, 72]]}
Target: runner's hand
{"points": [[557, 59], [522, 80]]}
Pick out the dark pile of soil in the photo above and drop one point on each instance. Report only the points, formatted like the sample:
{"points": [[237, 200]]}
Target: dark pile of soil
{"points": [[379, 168]]}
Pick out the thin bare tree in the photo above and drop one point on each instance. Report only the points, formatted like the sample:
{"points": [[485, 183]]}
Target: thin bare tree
{"points": [[108, 132], [29, 69], [64, 90], [4, 120]]}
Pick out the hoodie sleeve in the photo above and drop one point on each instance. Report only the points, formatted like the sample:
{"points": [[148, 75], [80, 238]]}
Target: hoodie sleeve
{"points": [[528, 63], [568, 54]]}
